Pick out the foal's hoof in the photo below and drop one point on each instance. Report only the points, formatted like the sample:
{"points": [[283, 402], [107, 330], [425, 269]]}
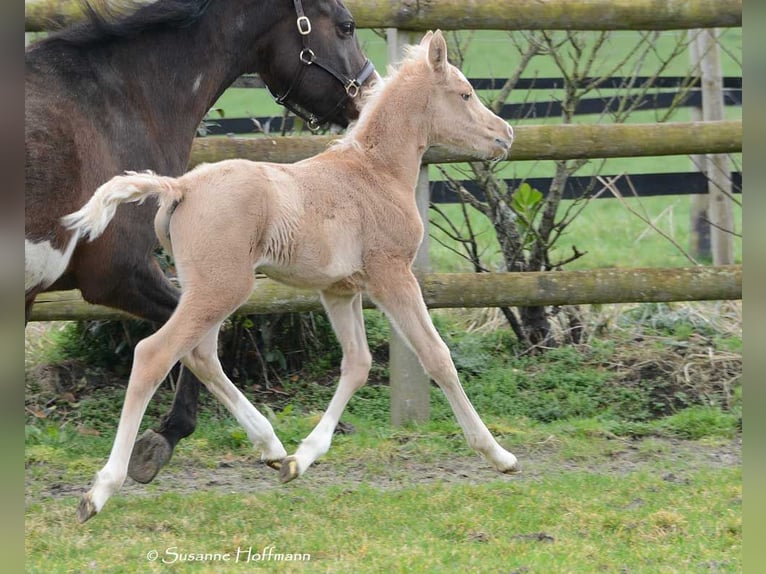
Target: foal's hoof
{"points": [[150, 454], [289, 470], [86, 509], [275, 464], [512, 469]]}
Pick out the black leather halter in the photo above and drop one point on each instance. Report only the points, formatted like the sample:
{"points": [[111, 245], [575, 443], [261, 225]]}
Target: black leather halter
{"points": [[309, 58]]}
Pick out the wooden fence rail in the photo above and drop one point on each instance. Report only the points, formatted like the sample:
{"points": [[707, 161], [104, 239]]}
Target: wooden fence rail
{"points": [[443, 290], [43, 15], [538, 142]]}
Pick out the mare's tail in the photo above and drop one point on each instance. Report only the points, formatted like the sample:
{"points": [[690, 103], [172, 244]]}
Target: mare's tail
{"points": [[92, 219]]}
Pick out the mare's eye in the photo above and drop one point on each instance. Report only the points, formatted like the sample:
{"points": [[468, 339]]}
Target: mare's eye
{"points": [[347, 28], [466, 96]]}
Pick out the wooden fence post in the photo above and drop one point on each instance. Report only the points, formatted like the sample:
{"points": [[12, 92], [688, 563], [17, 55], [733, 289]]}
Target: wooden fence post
{"points": [[717, 165], [409, 385], [699, 226]]}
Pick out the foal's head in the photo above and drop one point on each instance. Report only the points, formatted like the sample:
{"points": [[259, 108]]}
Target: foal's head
{"points": [[458, 120], [316, 63]]}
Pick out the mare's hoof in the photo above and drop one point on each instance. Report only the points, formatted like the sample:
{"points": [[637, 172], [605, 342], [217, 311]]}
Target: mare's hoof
{"points": [[150, 454], [86, 509], [512, 469], [289, 470]]}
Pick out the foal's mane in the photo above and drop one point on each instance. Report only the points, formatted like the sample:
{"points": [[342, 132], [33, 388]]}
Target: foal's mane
{"points": [[372, 96], [108, 21]]}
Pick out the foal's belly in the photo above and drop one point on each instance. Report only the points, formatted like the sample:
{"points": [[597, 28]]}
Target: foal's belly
{"points": [[321, 279]]}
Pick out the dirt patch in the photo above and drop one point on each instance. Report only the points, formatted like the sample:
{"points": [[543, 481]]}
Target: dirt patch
{"points": [[671, 460]]}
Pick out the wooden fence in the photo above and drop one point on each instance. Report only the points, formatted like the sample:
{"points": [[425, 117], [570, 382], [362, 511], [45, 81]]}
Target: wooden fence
{"points": [[532, 143], [41, 15], [449, 290]]}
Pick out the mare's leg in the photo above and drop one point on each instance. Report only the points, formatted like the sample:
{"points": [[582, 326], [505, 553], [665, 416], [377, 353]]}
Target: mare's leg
{"points": [[132, 281], [345, 313], [154, 448], [398, 294], [204, 362]]}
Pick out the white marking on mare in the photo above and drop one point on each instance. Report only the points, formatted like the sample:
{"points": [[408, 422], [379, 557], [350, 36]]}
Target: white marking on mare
{"points": [[197, 82], [43, 263]]}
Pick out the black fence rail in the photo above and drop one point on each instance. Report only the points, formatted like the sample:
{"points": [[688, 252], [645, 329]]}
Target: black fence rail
{"points": [[643, 184]]}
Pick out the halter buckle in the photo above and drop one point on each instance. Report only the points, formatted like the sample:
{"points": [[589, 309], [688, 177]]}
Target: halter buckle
{"points": [[307, 56], [304, 25], [313, 124], [352, 88]]}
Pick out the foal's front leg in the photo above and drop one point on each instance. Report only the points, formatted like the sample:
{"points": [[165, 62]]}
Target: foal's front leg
{"points": [[397, 293], [345, 313]]}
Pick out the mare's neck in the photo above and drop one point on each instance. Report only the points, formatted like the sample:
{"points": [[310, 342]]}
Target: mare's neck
{"points": [[175, 76], [394, 135]]}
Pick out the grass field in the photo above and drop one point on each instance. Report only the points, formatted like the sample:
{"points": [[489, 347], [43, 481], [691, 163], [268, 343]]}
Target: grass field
{"points": [[643, 518], [607, 231]]}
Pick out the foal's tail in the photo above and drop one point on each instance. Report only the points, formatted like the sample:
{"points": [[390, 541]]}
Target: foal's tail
{"points": [[92, 219]]}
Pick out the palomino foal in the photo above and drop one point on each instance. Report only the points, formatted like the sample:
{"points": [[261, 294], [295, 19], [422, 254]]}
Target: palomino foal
{"points": [[342, 222]]}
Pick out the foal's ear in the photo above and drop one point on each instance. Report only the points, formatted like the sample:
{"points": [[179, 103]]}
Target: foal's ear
{"points": [[437, 53], [424, 41]]}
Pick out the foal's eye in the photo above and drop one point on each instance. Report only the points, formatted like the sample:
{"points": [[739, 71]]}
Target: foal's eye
{"points": [[347, 28], [466, 96]]}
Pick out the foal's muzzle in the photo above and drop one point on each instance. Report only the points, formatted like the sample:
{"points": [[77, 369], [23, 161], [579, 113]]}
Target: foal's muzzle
{"points": [[506, 142]]}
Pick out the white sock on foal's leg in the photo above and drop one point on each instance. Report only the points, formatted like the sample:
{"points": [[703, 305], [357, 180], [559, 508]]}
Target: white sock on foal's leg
{"points": [[203, 362]]}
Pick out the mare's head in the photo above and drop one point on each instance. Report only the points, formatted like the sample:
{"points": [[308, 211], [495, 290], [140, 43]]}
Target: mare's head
{"points": [[458, 120], [316, 67]]}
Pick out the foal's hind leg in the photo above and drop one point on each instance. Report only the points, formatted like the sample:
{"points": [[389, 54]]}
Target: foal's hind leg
{"points": [[398, 294], [153, 358], [204, 362], [132, 281], [345, 313]]}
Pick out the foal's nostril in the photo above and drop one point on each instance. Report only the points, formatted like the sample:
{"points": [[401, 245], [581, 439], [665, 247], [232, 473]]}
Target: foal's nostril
{"points": [[505, 144]]}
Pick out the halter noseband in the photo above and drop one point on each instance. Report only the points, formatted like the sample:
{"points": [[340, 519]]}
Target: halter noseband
{"points": [[308, 58]]}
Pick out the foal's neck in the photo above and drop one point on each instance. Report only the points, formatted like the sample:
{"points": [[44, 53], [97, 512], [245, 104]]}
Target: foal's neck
{"points": [[394, 134]]}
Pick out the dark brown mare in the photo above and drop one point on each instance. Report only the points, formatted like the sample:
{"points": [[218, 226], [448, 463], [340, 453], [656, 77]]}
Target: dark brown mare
{"points": [[128, 93]]}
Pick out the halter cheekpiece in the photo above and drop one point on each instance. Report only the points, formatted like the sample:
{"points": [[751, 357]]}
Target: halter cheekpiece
{"points": [[308, 58]]}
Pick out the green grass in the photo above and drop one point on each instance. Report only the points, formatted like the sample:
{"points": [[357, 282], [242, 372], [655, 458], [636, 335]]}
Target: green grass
{"points": [[575, 522], [575, 508]]}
